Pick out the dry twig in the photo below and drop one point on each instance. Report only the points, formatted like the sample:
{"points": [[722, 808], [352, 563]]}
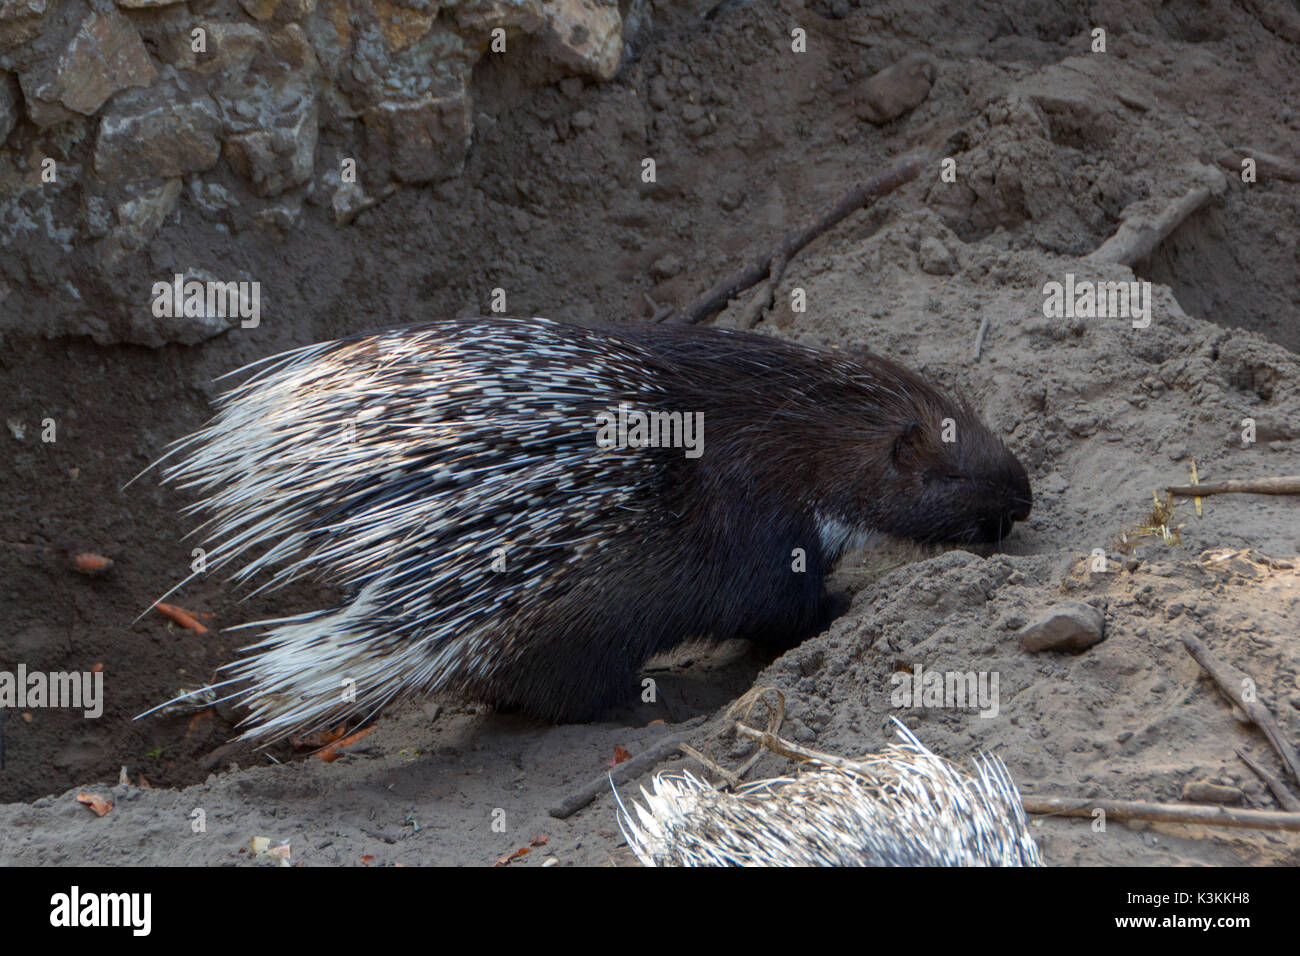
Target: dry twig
{"points": [[1281, 485], [772, 263], [1139, 234], [1231, 682], [1279, 789], [1163, 812]]}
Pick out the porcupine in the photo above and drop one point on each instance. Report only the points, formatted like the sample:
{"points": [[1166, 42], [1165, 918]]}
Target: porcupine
{"points": [[902, 807], [447, 478]]}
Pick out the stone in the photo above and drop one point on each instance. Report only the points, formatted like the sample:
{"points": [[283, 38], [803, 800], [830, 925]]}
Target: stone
{"points": [[142, 216], [21, 22], [349, 201], [161, 131], [260, 9], [665, 267], [1068, 626], [280, 152], [282, 11], [936, 259], [660, 98], [585, 36], [155, 330], [231, 48], [425, 139], [104, 56], [146, 4], [580, 36], [214, 199], [896, 90], [138, 219], [278, 219], [8, 106], [400, 26]]}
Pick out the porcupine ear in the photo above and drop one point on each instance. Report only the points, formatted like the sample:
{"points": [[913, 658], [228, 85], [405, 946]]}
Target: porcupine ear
{"points": [[905, 451]]}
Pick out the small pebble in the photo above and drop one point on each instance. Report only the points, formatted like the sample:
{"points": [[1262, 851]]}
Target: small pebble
{"points": [[1068, 626], [936, 259]]}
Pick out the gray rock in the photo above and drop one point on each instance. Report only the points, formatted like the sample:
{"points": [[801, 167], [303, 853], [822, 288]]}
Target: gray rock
{"points": [[231, 48], [1068, 626], [660, 98], [425, 139], [138, 219], [21, 22], [281, 10], [897, 89], [104, 55], [158, 132], [8, 106], [585, 35], [348, 201], [280, 153], [581, 36], [153, 330], [212, 198], [665, 267], [936, 259]]}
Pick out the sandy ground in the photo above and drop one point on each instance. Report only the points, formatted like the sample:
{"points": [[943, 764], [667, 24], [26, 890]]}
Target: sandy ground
{"points": [[1052, 143]]}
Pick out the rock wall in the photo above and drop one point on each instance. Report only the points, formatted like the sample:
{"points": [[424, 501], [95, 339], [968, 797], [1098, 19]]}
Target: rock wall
{"points": [[115, 116]]}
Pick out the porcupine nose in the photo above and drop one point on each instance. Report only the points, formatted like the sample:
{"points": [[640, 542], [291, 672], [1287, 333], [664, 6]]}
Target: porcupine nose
{"points": [[1014, 505]]}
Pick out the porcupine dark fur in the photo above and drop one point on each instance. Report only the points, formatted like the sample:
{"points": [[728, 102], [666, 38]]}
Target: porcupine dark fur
{"points": [[392, 465]]}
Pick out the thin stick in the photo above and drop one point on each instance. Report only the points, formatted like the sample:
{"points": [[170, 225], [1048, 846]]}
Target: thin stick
{"points": [[794, 751], [979, 338], [1230, 682], [1265, 163], [628, 768], [1281, 485], [1164, 812], [1284, 796], [764, 299], [732, 778], [1140, 234], [716, 299]]}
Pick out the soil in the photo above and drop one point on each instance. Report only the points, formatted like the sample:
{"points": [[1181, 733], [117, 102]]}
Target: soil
{"points": [[1052, 142]]}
